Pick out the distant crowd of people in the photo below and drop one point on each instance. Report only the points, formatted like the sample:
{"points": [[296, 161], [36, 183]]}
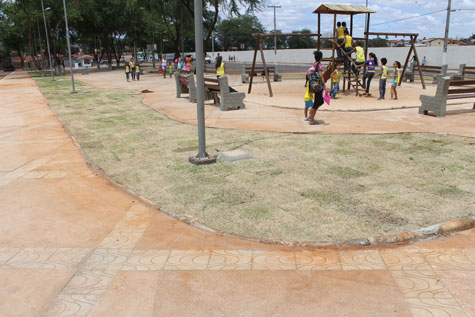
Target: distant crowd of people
{"points": [[132, 69]]}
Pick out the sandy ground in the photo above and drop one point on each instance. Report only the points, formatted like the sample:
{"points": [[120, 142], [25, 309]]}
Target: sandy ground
{"points": [[258, 116]]}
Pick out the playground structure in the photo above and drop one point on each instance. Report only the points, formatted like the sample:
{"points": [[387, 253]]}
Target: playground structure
{"points": [[350, 79]]}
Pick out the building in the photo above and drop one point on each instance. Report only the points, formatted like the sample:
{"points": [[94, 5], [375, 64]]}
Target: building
{"points": [[440, 42]]}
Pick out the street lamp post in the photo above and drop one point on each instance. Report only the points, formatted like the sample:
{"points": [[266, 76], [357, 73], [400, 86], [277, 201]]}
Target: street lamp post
{"points": [[275, 30], [202, 157], [47, 41], [41, 50], [73, 91], [446, 38]]}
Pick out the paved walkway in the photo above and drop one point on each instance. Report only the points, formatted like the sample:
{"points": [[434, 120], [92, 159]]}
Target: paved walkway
{"points": [[72, 244]]}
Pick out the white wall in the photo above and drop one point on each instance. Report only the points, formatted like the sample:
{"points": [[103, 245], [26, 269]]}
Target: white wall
{"points": [[455, 55]]}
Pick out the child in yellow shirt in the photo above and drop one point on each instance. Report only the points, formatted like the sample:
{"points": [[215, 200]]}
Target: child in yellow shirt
{"points": [[335, 82], [383, 76], [308, 99]]}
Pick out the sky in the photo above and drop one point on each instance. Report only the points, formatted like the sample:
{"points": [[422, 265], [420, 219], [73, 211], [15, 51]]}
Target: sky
{"points": [[297, 14]]}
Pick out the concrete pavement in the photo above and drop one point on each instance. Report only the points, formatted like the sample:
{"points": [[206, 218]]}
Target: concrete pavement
{"points": [[73, 244]]}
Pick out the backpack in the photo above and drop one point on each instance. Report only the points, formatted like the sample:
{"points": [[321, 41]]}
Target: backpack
{"points": [[315, 81]]}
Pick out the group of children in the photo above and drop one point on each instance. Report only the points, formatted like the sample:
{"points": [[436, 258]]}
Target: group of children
{"points": [[132, 69], [312, 101], [180, 65]]}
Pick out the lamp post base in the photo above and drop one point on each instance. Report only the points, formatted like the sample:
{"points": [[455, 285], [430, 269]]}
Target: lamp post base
{"points": [[198, 160]]}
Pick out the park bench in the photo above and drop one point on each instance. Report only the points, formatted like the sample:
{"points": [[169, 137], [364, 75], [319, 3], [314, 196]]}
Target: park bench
{"points": [[183, 84], [468, 70], [438, 71], [246, 72], [438, 103], [218, 90]]}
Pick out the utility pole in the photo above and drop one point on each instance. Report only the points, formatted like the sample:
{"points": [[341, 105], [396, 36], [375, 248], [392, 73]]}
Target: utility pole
{"points": [[73, 91], [202, 157], [275, 30], [47, 41], [446, 39]]}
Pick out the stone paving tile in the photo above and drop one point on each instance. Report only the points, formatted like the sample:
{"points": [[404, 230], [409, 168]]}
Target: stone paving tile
{"points": [[415, 284], [317, 260], [72, 305], [188, 260], [273, 260], [361, 260], [146, 260], [66, 258], [461, 286], [7, 253], [470, 254], [448, 259], [106, 259], [31, 258], [230, 260], [435, 307], [89, 282], [408, 260]]}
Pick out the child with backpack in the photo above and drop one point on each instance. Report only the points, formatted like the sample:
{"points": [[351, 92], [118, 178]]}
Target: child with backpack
{"points": [[316, 85]]}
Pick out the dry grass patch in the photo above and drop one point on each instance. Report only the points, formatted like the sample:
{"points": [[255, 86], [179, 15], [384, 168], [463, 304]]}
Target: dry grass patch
{"points": [[296, 187]]}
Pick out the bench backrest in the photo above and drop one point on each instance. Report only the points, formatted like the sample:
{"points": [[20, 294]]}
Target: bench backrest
{"points": [[467, 86], [211, 83], [443, 84], [259, 69], [469, 70]]}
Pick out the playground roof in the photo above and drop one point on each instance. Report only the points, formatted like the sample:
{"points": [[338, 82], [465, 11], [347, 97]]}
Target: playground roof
{"points": [[342, 9]]}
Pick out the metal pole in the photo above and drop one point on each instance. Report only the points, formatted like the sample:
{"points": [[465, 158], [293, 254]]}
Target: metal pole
{"points": [[47, 43], [202, 157], [446, 39], [275, 30], [41, 50], [73, 91], [153, 47]]}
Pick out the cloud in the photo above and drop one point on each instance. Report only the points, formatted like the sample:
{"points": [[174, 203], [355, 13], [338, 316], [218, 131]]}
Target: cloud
{"points": [[297, 14]]}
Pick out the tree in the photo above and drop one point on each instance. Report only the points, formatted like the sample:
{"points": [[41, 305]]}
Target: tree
{"points": [[302, 42], [12, 31], [281, 40], [378, 42], [237, 32]]}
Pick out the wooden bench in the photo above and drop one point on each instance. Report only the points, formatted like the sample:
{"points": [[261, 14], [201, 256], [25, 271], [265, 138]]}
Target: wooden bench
{"points": [[438, 71], [246, 72], [438, 103], [468, 70], [458, 75], [218, 90], [185, 84]]}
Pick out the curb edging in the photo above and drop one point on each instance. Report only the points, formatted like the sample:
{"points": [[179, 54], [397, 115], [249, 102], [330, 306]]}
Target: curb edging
{"points": [[445, 228]]}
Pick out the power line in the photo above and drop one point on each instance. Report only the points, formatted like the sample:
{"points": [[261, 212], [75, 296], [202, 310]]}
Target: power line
{"points": [[408, 18]]}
